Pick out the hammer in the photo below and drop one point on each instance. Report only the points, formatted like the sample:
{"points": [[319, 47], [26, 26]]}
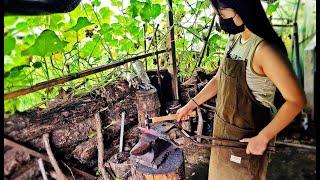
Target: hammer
{"points": [[169, 117]]}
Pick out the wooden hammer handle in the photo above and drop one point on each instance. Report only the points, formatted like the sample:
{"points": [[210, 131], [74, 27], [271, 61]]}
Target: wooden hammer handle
{"points": [[170, 117]]}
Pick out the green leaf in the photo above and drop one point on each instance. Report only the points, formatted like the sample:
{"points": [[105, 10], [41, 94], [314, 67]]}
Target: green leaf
{"points": [[56, 21], [81, 23], [46, 44], [116, 3], [9, 44], [214, 39], [21, 26], [10, 20], [92, 48], [28, 101], [29, 39], [117, 29], [126, 45], [150, 11], [106, 13], [272, 7], [133, 29], [133, 11], [96, 3]]}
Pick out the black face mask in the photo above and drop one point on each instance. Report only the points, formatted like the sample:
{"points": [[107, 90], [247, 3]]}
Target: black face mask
{"points": [[229, 26]]}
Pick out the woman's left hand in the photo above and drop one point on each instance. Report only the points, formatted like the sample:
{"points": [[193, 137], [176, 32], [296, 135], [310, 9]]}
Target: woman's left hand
{"points": [[256, 145]]}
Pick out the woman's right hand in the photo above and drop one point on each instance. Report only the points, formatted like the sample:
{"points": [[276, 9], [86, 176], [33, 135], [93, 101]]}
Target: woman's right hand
{"points": [[183, 112]]}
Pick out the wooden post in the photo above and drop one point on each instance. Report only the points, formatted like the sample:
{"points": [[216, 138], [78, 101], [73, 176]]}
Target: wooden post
{"points": [[309, 77], [172, 53], [147, 103], [145, 44]]}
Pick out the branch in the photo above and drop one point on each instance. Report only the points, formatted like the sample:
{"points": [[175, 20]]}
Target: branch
{"points": [[52, 159], [100, 147]]}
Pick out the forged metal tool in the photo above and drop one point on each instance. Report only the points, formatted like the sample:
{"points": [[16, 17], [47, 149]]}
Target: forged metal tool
{"points": [[153, 146]]}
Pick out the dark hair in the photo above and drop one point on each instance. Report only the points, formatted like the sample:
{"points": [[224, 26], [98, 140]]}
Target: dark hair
{"points": [[255, 19]]}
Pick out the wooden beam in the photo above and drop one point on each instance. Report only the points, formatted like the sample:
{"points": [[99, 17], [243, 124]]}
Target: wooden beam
{"points": [[172, 54], [78, 75]]}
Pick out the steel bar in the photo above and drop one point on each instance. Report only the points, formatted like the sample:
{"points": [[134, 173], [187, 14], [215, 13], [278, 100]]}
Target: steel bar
{"points": [[42, 156], [70, 77], [295, 145], [123, 114]]}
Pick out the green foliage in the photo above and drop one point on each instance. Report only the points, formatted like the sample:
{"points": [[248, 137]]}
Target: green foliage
{"points": [[9, 44], [81, 23], [38, 48], [272, 7], [46, 44]]}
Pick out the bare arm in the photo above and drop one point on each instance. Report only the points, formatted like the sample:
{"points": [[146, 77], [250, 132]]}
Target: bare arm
{"points": [[269, 62], [278, 70], [209, 91]]}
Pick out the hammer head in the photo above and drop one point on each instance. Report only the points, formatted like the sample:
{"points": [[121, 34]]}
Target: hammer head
{"points": [[147, 121]]}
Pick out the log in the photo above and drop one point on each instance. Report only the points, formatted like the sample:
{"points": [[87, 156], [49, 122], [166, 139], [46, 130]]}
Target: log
{"points": [[85, 151], [72, 116], [147, 104]]}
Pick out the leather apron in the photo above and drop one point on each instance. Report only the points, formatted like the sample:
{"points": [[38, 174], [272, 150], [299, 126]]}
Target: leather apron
{"points": [[239, 115]]}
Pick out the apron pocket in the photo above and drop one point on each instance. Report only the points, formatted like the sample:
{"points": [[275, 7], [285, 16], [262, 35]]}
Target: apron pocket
{"points": [[238, 162]]}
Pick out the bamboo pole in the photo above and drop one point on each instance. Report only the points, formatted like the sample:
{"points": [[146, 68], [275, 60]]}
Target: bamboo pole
{"points": [[81, 74]]}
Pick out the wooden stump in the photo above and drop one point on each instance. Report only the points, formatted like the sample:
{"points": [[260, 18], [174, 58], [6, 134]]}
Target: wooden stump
{"points": [[171, 169], [120, 165], [147, 103]]}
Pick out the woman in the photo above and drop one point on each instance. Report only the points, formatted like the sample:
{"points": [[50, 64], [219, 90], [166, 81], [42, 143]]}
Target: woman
{"points": [[255, 64]]}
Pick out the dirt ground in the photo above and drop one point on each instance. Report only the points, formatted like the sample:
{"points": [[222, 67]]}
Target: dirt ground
{"points": [[290, 165]]}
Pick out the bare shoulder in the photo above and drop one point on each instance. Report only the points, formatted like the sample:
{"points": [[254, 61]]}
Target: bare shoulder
{"points": [[266, 53]]}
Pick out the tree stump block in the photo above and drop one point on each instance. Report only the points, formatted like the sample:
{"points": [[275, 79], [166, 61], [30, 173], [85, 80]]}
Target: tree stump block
{"points": [[120, 165], [171, 169], [147, 103]]}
